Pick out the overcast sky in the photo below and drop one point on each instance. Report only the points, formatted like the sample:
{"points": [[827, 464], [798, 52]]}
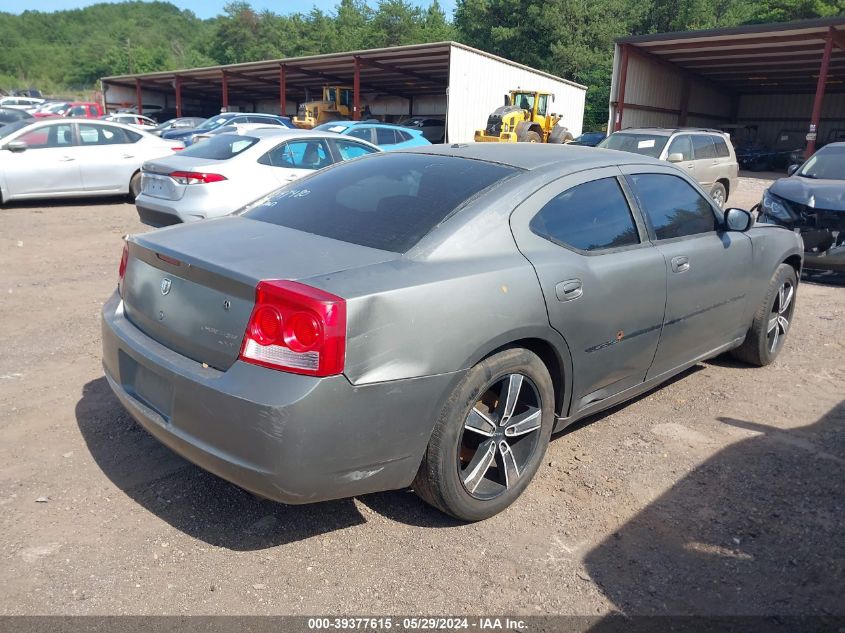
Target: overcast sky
{"points": [[206, 8]]}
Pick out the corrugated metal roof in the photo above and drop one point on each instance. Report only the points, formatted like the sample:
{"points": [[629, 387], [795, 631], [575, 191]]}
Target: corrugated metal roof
{"points": [[401, 70]]}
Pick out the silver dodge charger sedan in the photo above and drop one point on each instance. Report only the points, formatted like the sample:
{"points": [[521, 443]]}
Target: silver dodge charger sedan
{"points": [[429, 317]]}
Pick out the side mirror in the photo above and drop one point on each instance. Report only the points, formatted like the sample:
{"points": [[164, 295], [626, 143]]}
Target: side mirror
{"points": [[675, 157], [792, 169], [16, 146], [738, 220]]}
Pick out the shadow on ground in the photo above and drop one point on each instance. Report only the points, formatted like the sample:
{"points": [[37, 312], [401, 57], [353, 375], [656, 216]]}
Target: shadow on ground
{"points": [[823, 277], [755, 530], [42, 204], [207, 507]]}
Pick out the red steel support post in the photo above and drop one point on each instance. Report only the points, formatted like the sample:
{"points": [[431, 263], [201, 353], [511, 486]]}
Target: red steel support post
{"points": [[817, 102], [620, 93], [138, 103], [686, 86], [356, 91], [177, 85], [283, 89]]}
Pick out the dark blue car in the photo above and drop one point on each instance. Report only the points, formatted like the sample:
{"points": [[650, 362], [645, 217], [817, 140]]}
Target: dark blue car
{"points": [[227, 118]]}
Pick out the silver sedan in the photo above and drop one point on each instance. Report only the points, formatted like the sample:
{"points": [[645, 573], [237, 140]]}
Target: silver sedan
{"points": [[429, 317], [223, 173], [59, 158]]}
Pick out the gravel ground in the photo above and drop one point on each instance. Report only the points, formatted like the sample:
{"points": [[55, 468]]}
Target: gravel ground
{"points": [[719, 493]]}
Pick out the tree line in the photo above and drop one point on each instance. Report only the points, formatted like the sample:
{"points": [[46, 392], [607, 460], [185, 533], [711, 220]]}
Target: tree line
{"points": [[68, 51]]}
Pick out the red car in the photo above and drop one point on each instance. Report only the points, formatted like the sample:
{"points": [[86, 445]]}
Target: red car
{"points": [[84, 110]]}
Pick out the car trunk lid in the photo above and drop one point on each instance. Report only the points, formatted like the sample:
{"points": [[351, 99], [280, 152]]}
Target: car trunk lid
{"points": [[192, 288], [157, 182]]}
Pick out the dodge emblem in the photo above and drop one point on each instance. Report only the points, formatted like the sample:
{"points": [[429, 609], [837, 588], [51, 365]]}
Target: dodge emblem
{"points": [[165, 285]]}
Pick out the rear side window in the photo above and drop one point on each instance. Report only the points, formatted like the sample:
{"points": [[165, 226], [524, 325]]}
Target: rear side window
{"points": [[385, 136], [305, 154], [721, 147], [388, 205], [220, 147], [672, 206], [588, 217], [703, 147]]}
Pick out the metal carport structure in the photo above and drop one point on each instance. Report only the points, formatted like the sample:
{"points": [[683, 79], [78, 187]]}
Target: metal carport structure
{"points": [[775, 75], [425, 79]]}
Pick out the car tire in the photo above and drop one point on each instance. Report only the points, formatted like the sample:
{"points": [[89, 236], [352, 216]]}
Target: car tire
{"points": [[772, 321], [719, 195], [474, 466], [135, 186]]}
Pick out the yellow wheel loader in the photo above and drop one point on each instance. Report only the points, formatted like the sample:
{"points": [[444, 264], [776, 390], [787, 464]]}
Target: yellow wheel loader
{"points": [[524, 118], [336, 104]]}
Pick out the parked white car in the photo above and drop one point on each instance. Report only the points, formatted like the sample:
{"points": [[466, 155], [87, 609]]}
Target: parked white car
{"points": [[57, 158], [224, 173], [135, 120], [21, 103]]}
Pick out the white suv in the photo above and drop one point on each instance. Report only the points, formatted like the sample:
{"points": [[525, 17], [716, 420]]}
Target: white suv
{"points": [[706, 154], [20, 103]]}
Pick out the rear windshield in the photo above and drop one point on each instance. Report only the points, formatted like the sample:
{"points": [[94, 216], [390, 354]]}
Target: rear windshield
{"points": [[210, 124], [332, 126], [220, 147], [646, 144], [384, 201]]}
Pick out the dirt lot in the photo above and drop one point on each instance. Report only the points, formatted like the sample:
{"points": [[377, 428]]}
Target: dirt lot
{"points": [[720, 493]]}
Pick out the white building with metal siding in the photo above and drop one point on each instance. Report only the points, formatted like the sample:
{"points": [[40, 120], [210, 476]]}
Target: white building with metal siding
{"points": [[479, 81]]}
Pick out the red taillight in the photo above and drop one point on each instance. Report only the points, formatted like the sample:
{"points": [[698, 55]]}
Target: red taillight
{"points": [[296, 328], [195, 177], [121, 272]]}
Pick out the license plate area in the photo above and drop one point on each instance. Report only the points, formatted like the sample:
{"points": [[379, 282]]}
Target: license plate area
{"points": [[158, 186], [146, 385]]}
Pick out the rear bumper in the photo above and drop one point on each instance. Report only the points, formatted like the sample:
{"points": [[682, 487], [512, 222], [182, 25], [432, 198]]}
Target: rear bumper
{"points": [[291, 438], [159, 212]]}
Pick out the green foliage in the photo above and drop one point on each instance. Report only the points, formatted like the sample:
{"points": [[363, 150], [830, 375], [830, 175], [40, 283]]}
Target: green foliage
{"points": [[65, 51]]}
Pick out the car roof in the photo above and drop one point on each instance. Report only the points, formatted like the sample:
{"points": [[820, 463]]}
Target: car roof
{"points": [[531, 156], [291, 133], [288, 132], [666, 131]]}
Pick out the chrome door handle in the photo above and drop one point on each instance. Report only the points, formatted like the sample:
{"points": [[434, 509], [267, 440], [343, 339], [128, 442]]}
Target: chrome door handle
{"points": [[680, 264], [569, 290], [65, 159], [129, 156]]}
